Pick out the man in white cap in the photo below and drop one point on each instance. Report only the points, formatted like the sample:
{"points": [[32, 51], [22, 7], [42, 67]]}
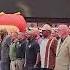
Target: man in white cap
{"points": [[63, 49], [47, 49]]}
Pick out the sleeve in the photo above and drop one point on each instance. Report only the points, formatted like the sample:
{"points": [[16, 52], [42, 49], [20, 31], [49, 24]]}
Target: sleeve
{"points": [[37, 47], [54, 46], [68, 49], [23, 50], [7, 42]]}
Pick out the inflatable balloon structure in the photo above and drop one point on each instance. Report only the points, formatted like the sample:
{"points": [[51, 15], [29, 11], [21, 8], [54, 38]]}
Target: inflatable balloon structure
{"points": [[12, 22]]}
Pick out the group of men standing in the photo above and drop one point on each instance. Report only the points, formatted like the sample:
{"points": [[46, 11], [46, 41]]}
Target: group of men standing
{"points": [[32, 51]]}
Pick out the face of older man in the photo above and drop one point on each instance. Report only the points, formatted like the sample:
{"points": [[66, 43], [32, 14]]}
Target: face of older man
{"points": [[21, 36], [14, 35], [63, 31], [46, 33]]}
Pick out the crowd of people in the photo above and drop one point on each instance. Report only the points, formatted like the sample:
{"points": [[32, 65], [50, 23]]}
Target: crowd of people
{"points": [[44, 49]]}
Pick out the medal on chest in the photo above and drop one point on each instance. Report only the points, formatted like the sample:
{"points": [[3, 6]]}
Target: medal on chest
{"points": [[29, 46]]}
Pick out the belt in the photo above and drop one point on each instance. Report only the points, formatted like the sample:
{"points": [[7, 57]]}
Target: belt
{"points": [[19, 58]]}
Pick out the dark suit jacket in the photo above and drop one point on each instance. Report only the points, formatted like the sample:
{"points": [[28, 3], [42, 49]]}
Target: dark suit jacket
{"points": [[31, 53], [5, 48], [20, 49]]}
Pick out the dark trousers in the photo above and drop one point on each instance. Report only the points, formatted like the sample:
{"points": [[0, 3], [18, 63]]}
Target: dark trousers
{"points": [[5, 65], [45, 69], [30, 68]]}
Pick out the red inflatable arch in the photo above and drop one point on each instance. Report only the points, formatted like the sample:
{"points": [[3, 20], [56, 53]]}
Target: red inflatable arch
{"points": [[13, 20]]}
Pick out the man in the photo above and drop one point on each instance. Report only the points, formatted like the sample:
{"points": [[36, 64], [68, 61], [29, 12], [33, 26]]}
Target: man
{"points": [[12, 51], [6, 41], [32, 52], [20, 51], [48, 49], [63, 49]]}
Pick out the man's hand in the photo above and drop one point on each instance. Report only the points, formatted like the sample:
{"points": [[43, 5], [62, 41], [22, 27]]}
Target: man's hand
{"points": [[24, 65], [35, 66]]}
